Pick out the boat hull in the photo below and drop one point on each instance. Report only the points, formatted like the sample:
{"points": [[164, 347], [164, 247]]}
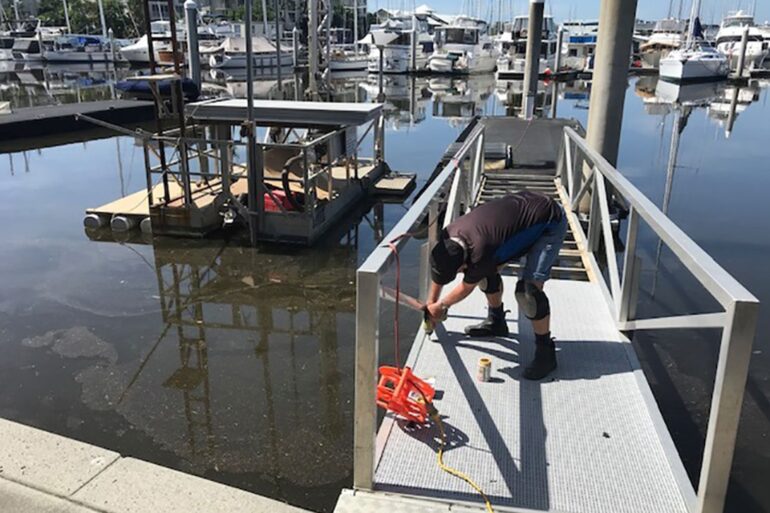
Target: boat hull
{"points": [[684, 70], [462, 65], [238, 60], [77, 57], [396, 60], [349, 64]]}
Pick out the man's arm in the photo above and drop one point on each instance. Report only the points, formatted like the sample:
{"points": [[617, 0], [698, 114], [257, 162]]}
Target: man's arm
{"points": [[435, 292]]}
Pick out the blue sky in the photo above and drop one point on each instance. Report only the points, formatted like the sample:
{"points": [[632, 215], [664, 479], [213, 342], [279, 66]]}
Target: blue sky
{"points": [[711, 10]]}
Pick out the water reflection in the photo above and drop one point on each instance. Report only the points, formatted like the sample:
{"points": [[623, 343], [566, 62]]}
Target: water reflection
{"points": [[459, 99], [237, 363]]}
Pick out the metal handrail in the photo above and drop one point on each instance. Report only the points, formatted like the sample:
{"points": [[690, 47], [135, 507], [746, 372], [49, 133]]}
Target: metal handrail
{"points": [[368, 278], [584, 171]]}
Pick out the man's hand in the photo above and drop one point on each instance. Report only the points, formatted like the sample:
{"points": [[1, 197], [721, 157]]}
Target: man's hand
{"points": [[437, 311]]}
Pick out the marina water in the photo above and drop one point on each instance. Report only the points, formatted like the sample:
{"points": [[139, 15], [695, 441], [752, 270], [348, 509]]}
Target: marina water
{"points": [[236, 363]]}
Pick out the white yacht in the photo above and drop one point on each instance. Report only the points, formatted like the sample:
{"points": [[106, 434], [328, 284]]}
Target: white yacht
{"points": [[696, 60], [513, 46], [463, 47], [395, 36], [728, 40], [231, 53], [579, 45], [668, 35], [138, 53]]}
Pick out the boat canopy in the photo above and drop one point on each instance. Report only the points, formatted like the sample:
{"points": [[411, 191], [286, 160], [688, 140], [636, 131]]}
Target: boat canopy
{"points": [[285, 113]]}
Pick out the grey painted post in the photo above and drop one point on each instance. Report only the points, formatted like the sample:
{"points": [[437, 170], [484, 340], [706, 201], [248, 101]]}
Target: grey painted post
{"points": [[559, 43], [295, 45], [742, 54], [193, 55], [608, 90], [532, 65], [111, 36], [277, 7], [413, 44], [312, 46], [249, 63]]}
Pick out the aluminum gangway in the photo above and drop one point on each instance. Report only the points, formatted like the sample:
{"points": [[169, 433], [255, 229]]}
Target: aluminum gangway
{"points": [[590, 438]]}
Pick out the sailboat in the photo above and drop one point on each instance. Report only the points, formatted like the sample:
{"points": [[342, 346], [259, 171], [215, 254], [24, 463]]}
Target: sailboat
{"points": [[696, 60], [346, 57]]}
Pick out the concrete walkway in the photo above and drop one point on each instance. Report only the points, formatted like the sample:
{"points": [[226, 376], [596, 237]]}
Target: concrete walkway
{"points": [[44, 473]]}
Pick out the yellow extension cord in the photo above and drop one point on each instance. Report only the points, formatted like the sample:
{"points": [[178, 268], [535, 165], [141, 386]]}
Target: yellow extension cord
{"points": [[453, 471]]}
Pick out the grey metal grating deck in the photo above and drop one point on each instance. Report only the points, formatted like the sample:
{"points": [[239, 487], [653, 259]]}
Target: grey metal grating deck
{"points": [[582, 442]]}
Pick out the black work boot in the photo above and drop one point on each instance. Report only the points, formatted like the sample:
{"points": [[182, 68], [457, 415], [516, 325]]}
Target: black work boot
{"points": [[545, 358], [493, 326]]}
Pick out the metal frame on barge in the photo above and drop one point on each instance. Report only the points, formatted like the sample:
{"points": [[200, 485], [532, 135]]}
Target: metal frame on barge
{"points": [[293, 184]]}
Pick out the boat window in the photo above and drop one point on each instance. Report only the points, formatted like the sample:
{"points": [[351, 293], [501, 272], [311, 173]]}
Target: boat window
{"points": [[459, 36], [487, 46], [573, 52], [736, 22], [403, 39]]}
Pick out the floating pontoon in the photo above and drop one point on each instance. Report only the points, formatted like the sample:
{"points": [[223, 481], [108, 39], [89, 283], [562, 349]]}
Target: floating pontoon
{"points": [[291, 185]]}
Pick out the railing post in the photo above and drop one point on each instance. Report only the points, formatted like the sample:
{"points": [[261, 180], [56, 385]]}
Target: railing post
{"points": [[594, 216], [367, 351], [629, 268], [726, 403], [478, 165], [565, 167]]}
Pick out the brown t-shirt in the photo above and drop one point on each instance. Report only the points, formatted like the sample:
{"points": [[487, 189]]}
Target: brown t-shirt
{"points": [[501, 230]]}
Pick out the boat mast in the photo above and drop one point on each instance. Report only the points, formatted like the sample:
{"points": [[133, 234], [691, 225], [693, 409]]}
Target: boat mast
{"points": [[67, 17], [693, 14], [101, 18]]}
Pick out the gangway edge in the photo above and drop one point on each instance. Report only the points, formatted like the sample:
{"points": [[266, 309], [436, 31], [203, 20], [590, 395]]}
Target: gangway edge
{"points": [[591, 438]]}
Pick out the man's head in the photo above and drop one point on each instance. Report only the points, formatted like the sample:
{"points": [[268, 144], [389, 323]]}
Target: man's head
{"points": [[446, 259]]}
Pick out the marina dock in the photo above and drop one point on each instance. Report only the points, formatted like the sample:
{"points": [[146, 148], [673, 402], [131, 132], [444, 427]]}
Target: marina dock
{"points": [[57, 119], [589, 438]]}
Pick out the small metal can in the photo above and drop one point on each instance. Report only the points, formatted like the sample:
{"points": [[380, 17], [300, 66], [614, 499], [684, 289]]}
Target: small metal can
{"points": [[484, 372]]}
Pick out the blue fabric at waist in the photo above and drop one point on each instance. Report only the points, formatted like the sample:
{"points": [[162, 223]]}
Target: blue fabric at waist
{"points": [[517, 245]]}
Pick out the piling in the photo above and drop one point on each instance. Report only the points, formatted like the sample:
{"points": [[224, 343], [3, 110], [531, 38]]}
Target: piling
{"points": [[295, 46], [610, 77], [413, 46], [312, 46], [111, 36], [249, 60], [559, 43], [278, 41], [742, 54], [193, 53], [532, 65]]}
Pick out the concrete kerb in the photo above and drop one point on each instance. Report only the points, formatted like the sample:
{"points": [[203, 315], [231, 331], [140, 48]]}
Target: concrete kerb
{"points": [[42, 472]]}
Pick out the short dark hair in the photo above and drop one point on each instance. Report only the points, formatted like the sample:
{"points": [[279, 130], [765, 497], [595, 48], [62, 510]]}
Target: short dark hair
{"points": [[445, 260]]}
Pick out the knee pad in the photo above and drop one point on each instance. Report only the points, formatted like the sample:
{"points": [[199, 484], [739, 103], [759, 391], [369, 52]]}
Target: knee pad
{"points": [[532, 301], [491, 285]]}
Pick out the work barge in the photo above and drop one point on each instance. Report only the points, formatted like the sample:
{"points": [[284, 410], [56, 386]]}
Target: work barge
{"points": [[301, 169], [590, 438]]}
